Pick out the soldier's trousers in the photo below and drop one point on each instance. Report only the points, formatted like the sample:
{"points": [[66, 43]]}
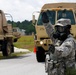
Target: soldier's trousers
{"points": [[61, 70]]}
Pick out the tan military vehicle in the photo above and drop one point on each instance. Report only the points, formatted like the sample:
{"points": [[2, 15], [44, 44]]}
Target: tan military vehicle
{"points": [[6, 36], [16, 33], [57, 11]]}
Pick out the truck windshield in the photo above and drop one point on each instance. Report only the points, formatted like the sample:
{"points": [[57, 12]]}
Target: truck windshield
{"points": [[51, 15], [68, 14]]}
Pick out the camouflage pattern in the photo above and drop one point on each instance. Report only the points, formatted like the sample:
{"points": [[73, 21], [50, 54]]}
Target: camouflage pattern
{"points": [[63, 22], [63, 49], [50, 30], [66, 50]]}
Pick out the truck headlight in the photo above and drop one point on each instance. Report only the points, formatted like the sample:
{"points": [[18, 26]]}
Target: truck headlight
{"points": [[41, 42]]}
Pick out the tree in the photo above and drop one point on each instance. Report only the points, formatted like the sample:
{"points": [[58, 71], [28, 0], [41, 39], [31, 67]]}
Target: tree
{"points": [[26, 25]]}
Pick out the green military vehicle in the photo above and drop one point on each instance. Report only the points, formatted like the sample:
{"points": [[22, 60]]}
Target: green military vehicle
{"points": [[6, 36], [57, 11]]}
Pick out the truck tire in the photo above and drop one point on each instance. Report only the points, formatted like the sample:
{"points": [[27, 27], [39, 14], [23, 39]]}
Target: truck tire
{"points": [[6, 48], [12, 48], [40, 54]]}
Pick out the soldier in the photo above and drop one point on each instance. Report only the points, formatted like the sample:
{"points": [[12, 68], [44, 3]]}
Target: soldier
{"points": [[62, 40]]}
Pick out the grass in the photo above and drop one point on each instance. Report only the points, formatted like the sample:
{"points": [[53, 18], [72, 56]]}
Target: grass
{"points": [[25, 42], [71, 72]]}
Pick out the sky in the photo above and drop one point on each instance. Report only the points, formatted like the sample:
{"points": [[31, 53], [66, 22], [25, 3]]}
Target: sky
{"points": [[23, 9]]}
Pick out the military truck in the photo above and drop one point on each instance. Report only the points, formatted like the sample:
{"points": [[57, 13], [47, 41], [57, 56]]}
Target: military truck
{"points": [[6, 36], [57, 11], [16, 33]]}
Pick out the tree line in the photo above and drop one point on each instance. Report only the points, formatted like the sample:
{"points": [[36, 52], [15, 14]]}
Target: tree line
{"points": [[26, 25]]}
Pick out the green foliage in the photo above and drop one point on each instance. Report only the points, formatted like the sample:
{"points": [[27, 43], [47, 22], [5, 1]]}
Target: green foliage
{"points": [[71, 72], [26, 25]]}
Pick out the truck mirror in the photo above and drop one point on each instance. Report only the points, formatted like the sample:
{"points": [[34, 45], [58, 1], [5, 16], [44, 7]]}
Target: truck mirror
{"points": [[33, 21]]}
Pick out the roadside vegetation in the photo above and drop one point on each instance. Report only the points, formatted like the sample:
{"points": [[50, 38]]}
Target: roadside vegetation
{"points": [[26, 25], [71, 72], [25, 42]]}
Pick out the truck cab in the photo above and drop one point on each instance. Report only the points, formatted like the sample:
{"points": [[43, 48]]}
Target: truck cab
{"points": [[56, 11]]}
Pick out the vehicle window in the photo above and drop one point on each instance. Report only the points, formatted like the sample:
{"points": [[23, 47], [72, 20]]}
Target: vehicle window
{"points": [[40, 20], [68, 14], [51, 15]]}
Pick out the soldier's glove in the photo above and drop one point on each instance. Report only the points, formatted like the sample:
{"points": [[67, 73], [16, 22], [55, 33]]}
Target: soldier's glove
{"points": [[52, 48], [45, 18]]}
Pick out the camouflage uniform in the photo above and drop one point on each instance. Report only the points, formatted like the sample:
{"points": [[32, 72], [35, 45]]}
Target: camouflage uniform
{"points": [[63, 49]]}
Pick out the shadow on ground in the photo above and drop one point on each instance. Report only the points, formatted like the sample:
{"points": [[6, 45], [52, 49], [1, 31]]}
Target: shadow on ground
{"points": [[19, 55]]}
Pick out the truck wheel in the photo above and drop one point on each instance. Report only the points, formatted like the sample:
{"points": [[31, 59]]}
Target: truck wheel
{"points": [[6, 48], [40, 54], [12, 48]]}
